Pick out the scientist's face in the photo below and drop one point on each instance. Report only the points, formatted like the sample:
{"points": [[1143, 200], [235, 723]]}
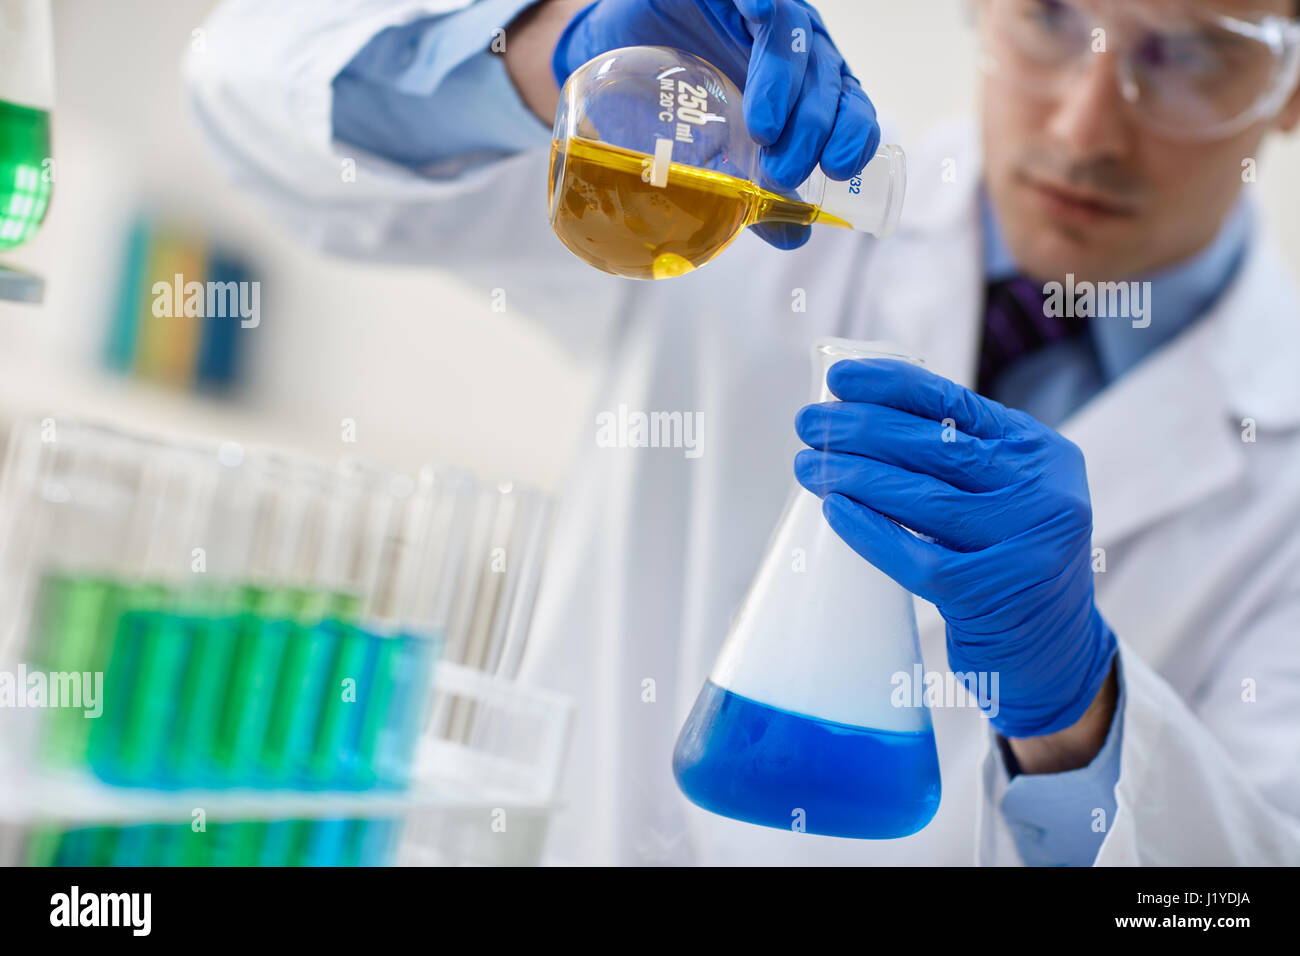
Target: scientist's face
{"points": [[1081, 180]]}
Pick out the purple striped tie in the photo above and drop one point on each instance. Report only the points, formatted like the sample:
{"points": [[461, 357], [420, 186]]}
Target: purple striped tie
{"points": [[1016, 324]]}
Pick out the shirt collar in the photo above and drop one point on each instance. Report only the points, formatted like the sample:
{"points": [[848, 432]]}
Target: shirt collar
{"points": [[1178, 295]]}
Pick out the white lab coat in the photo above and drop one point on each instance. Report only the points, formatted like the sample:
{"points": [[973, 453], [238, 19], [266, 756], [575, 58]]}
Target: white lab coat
{"points": [[654, 550]]}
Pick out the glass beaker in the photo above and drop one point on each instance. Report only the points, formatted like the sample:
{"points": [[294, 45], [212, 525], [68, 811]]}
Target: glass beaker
{"points": [[805, 722], [653, 172], [26, 100]]}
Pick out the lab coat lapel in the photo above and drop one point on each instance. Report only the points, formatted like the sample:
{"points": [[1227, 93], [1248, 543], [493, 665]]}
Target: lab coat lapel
{"points": [[1158, 439], [1170, 432]]}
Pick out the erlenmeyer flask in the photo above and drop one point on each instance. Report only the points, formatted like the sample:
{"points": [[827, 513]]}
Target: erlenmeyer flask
{"points": [[801, 723], [653, 172], [26, 99]]}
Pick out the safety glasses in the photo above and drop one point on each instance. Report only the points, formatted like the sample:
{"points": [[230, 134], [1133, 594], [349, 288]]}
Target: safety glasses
{"points": [[1186, 70]]}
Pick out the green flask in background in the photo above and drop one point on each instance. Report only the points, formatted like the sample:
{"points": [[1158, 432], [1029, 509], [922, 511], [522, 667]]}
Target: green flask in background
{"points": [[26, 178]]}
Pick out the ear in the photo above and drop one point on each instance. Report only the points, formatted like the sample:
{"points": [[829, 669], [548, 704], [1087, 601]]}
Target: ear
{"points": [[1289, 117]]}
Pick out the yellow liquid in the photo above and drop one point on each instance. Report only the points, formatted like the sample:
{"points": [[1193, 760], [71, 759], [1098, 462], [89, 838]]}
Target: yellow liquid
{"points": [[609, 216]]}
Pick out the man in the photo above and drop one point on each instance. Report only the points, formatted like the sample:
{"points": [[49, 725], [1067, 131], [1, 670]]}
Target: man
{"points": [[1141, 616]]}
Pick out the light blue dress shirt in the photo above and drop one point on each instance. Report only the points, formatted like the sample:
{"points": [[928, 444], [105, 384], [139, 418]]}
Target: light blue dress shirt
{"points": [[429, 94]]}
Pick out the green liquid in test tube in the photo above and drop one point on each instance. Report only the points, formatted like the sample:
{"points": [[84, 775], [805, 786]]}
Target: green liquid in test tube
{"points": [[151, 642], [352, 687], [377, 840], [140, 845], [165, 641], [281, 842], [325, 672], [353, 850], [324, 842], [233, 622], [412, 665], [118, 749], [303, 692], [191, 747], [81, 490], [381, 706], [42, 846], [182, 664], [72, 632], [368, 669], [73, 848], [87, 846], [240, 843], [179, 844], [261, 634], [212, 630], [286, 842]]}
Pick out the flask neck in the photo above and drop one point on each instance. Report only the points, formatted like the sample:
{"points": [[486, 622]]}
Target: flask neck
{"points": [[871, 201], [827, 351]]}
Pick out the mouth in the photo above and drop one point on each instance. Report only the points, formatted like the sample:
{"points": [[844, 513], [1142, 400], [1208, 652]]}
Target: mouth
{"points": [[1077, 206]]}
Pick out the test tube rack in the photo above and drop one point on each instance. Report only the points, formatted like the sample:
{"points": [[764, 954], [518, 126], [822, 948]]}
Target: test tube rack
{"points": [[327, 583]]}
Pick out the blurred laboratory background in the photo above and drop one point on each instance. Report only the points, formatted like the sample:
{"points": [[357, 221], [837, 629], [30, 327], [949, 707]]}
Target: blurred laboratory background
{"points": [[398, 367]]}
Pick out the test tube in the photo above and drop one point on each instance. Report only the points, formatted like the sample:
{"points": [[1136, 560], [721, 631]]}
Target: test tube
{"points": [[366, 561], [70, 550], [150, 647], [325, 577], [270, 695], [441, 523], [494, 605], [71, 515], [267, 606], [212, 613], [367, 742]]}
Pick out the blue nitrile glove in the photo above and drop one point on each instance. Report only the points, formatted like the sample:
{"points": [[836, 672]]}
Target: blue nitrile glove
{"points": [[802, 104], [1005, 500]]}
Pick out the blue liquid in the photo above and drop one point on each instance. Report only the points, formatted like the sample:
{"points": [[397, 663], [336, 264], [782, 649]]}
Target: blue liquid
{"points": [[756, 763]]}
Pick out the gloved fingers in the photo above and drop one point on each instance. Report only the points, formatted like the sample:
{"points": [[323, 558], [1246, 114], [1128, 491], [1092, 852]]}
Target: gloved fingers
{"points": [[915, 564], [911, 388], [955, 519], [782, 235], [756, 10], [792, 158], [856, 135], [814, 16], [777, 67], [920, 445]]}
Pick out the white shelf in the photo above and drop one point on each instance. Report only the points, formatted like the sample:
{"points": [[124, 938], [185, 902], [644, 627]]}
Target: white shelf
{"points": [[71, 799]]}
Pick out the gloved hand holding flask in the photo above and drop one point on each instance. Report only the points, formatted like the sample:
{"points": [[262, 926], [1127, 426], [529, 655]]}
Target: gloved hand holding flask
{"points": [[1004, 500], [802, 104]]}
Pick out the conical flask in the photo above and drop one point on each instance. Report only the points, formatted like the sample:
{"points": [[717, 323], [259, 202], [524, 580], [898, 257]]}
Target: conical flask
{"points": [[26, 100], [26, 167], [808, 720]]}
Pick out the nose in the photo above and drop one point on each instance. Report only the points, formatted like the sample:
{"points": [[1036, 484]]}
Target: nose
{"points": [[1092, 118]]}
